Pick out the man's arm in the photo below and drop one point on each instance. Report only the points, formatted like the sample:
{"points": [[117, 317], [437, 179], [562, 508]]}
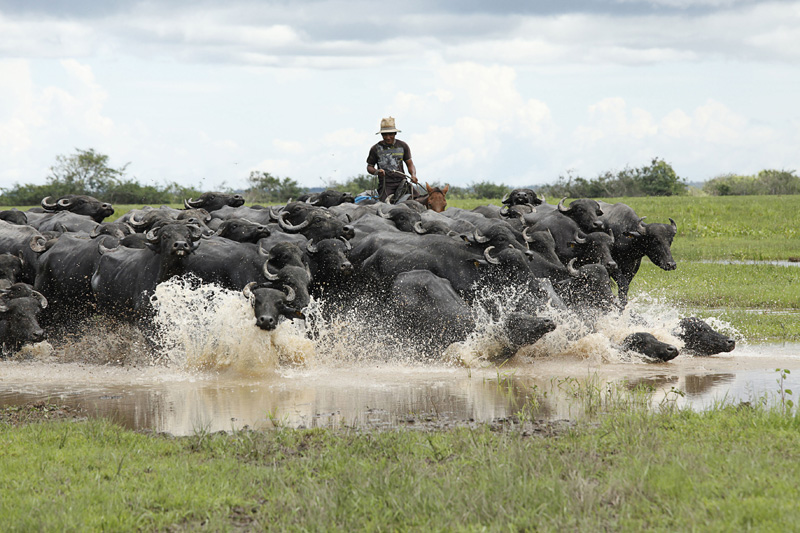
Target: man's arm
{"points": [[412, 170], [378, 172]]}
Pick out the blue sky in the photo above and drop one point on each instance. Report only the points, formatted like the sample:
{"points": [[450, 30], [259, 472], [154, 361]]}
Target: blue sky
{"points": [[203, 93]]}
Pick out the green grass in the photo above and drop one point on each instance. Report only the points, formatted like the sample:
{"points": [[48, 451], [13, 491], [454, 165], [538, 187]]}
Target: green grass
{"points": [[728, 469]]}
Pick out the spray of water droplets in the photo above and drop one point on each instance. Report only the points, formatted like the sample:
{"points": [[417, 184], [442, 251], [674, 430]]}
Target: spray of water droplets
{"points": [[205, 327]]}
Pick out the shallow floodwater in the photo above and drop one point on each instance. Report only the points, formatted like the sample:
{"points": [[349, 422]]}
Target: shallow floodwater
{"points": [[216, 371]]}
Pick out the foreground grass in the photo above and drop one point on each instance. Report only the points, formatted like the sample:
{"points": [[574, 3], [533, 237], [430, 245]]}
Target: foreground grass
{"points": [[731, 468]]}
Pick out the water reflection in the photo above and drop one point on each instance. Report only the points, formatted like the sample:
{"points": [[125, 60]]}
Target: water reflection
{"points": [[384, 395]]}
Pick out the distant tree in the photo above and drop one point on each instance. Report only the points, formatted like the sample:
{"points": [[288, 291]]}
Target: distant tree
{"points": [[487, 189], [731, 185], [660, 179], [266, 188], [88, 172], [765, 182], [354, 185], [779, 182], [656, 179]]}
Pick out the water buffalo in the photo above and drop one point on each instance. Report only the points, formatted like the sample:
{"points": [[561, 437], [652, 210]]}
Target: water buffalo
{"points": [[427, 312], [701, 339], [19, 307], [270, 304], [327, 198], [647, 345], [125, 278], [80, 205], [635, 240], [211, 201]]}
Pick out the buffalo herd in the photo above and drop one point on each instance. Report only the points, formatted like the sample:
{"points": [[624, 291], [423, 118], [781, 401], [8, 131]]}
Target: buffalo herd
{"points": [[416, 267]]}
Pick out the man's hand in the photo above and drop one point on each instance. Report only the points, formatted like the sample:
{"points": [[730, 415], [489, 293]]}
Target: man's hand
{"points": [[414, 179], [380, 172]]}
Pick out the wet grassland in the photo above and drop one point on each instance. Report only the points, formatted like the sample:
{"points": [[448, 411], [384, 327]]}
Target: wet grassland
{"points": [[621, 465]]}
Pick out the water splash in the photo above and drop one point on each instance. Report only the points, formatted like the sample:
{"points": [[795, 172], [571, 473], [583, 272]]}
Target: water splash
{"points": [[205, 327]]}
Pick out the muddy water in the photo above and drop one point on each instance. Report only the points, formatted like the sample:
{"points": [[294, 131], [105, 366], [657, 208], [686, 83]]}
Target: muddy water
{"points": [[215, 371]]}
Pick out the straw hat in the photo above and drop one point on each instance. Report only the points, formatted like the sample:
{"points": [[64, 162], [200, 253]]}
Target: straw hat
{"points": [[387, 126]]}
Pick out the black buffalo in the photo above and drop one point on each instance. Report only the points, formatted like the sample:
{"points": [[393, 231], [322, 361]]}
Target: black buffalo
{"points": [[19, 308], [635, 240], [701, 339], [271, 303], [80, 205], [647, 345], [211, 201], [327, 198], [125, 278]]}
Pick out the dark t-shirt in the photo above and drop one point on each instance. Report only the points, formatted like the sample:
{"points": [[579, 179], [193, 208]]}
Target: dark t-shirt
{"points": [[387, 157]]}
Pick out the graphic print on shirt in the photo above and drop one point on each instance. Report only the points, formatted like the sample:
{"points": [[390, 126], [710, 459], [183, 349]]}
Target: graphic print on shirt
{"points": [[390, 157]]}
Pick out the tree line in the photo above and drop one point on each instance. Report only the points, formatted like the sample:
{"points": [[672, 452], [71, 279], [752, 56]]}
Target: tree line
{"points": [[88, 172]]}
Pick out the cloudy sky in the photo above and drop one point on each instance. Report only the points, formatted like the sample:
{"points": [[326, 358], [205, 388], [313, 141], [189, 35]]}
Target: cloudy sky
{"points": [[518, 92]]}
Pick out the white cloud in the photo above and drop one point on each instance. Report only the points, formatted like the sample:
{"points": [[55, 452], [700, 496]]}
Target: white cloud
{"points": [[289, 147]]}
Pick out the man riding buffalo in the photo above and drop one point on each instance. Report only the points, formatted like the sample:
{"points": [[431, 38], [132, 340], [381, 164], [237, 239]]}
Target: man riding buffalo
{"points": [[386, 158]]}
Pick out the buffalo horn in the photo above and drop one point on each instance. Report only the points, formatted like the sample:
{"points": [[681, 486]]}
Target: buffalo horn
{"points": [[290, 295], [64, 202], [288, 226], [311, 247], [505, 197], [641, 228], [488, 255], [191, 203], [579, 239], [418, 227], [38, 243], [248, 291], [571, 267], [347, 244], [381, 213], [479, 237], [135, 219], [525, 235], [39, 296], [151, 236], [267, 274], [561, 206], [103, 249], [674, 225], [47, 205]]}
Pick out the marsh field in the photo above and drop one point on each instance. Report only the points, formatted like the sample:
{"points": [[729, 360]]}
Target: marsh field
{"points": [[624, 460]]}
